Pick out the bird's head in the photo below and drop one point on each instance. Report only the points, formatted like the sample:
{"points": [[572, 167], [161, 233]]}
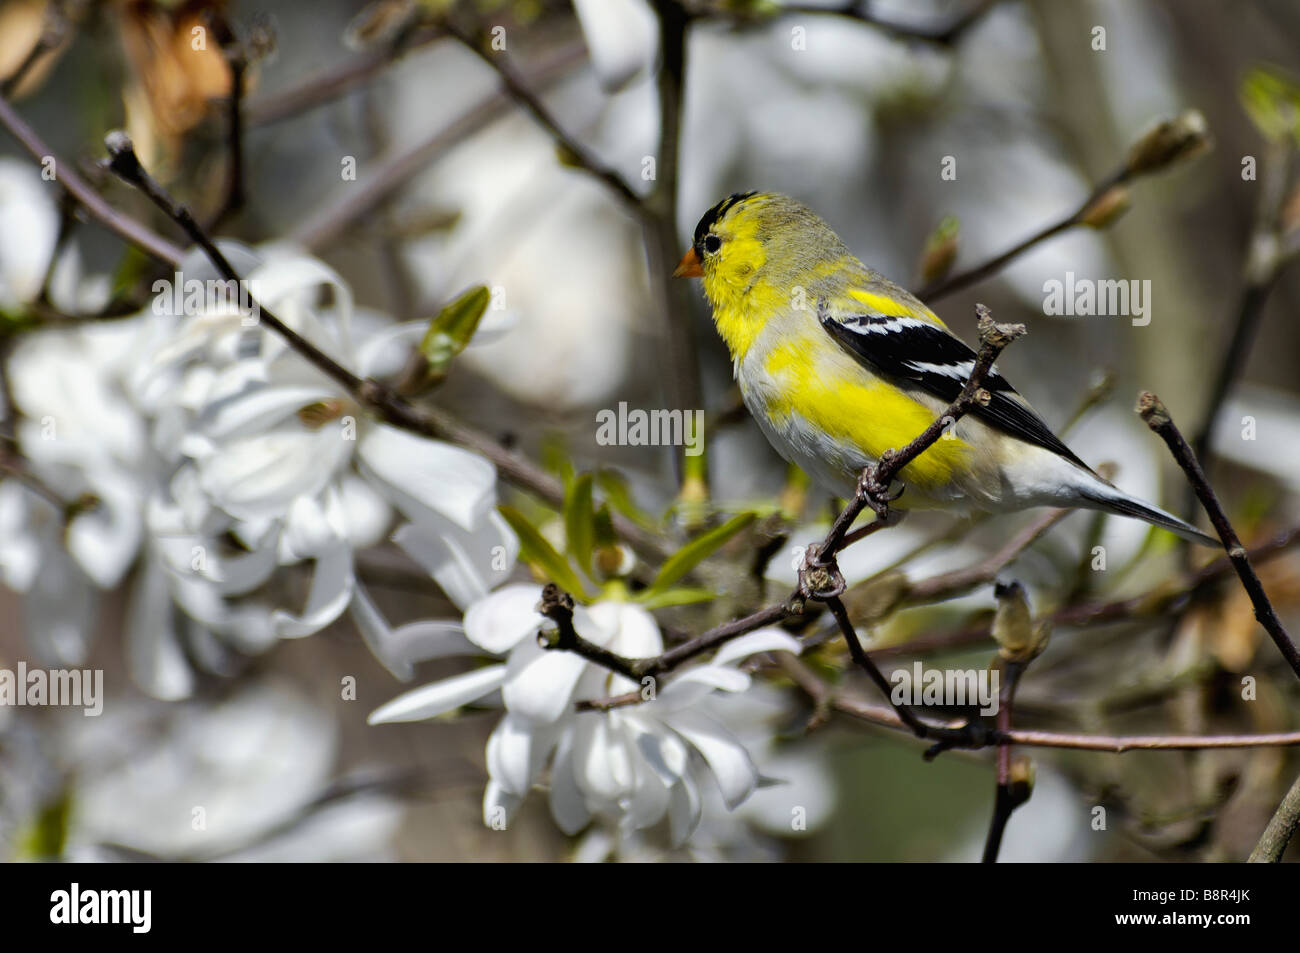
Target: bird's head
{"points": [[755, 250]]}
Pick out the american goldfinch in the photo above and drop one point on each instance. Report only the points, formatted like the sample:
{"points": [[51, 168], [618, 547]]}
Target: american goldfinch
{"points": [[838, 364]]}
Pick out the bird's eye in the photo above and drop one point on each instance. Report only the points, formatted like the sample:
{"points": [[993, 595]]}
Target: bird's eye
{"points": [[712, 243]]}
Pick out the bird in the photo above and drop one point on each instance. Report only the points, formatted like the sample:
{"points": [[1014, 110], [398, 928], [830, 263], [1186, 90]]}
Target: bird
{"points": [[837, 364]]}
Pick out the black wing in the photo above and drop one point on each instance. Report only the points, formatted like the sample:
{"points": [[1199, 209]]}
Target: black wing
{"points": [[889, 345]]}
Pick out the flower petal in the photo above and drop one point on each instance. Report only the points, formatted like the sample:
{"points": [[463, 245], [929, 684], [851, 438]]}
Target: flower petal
{"points": [[504, 619], [760, 640], [427, 478], [438, 698], [728, 760]]}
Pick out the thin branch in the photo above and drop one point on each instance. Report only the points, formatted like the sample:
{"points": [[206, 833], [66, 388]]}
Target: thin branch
{"points": [[335, 221], [860, 658], [155, 246], [1281, 828], [236, 55], [333, 82], [941, 32], [1161, 147], [873, 487], [959, 581], [376, 397], [885, 717], [1263, 268], [820, 578], [1157, 602], [680, 360], [1157, 418], [557, 606], [575, 153], [1020, 640]]}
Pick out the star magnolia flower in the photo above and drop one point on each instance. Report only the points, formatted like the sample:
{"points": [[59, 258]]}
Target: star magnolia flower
{"points": [[29, 234], [272, 453], [635, 765]]}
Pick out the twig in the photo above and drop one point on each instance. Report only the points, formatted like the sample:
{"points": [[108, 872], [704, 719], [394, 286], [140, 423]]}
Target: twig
{"points": [[1263, 268], [873, 487], [943, 32], [950, 584], [886, 717], [373, 395], [557, 606], [1281, 828], [680, 361], [1156, 602], [1159, 148], [335, 221], [334, 82], [820, 578], [53, 32], [905, 713], [518, 88], [117, 222], [1008, 796], [1157, 418], [236, 55]]}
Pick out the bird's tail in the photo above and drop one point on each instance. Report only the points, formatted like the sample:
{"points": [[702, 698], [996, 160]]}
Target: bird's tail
{"points": [[1103, 496]]}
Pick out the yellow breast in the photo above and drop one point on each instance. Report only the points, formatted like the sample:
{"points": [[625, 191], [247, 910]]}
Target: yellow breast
{"points": [[809, 379]]}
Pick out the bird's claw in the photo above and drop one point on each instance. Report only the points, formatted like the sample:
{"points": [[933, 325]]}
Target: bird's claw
{"points": [[820, 579]]}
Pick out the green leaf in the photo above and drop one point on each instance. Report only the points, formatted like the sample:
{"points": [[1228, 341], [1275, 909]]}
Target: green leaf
{"points": [[677, 596], [603, 528], [452, 327], [555, 459], [580, 522], [134, 267], [1272, 101], [696, 551], [47, 836], [616, 491], [536, 551]]}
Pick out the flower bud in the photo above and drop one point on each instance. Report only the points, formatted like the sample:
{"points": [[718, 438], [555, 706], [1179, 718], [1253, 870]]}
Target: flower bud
{"points": [[1106, 208], [940, 250], [1168, 142]]}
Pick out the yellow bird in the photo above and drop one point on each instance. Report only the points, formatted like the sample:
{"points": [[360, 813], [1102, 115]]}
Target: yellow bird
{"points": [[838, 364]]}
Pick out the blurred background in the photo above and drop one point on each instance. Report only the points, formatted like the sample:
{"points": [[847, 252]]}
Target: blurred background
{"points": [[388, 149]]}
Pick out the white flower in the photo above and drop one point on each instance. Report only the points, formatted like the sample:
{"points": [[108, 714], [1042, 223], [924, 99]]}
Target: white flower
{"points": [[270, 452], [228, 779], [29, 234], [633, 765], [78, 437], [29, 229]]}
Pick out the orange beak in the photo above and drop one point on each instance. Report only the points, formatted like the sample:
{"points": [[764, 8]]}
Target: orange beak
{"points": [[689, 266]]}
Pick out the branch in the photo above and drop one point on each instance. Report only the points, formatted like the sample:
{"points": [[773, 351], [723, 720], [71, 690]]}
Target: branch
{"points": [[375, 396], [820, 578], [941, 32], [334, 82], [1281, 828], [680, 359], [1158, 419], [575, 153], [335, 221], [1164, 145], [1155, 602], [237, 61], [1265, 259], [557, 606], [1020, 641], [885, 717], [153, 245], [873, 486]]}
